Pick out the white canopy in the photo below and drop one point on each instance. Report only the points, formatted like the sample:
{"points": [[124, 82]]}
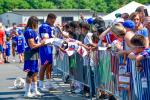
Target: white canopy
{"points": [[129, 8]]}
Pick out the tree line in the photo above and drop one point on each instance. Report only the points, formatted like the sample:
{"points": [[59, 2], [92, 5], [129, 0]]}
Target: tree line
{"points": [[105, 6]]}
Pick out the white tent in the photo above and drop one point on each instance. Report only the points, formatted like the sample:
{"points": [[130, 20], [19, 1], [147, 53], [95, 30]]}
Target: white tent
{"points": [[129, 8]]}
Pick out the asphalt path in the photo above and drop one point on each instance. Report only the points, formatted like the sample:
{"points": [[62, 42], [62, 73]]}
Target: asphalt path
{"points": [[9, 72]]}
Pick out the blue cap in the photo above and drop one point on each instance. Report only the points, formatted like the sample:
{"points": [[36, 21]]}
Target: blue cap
{"points": [[129, 24], [20, 32], [90, 21]]}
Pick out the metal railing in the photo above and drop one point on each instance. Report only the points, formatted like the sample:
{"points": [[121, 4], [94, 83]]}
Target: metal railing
{"points": [[104, 71]]}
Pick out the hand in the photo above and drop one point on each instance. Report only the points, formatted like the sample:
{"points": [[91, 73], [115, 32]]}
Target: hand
{"points": [[81, 16], [132, 55], [101, 37], [79, 43], [43, 42]]}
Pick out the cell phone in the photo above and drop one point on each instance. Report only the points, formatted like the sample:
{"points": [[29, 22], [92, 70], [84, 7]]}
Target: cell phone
{"points": [[146, 12]]}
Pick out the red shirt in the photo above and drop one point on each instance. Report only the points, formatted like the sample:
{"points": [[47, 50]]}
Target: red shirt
{"points": [[2, 34]]}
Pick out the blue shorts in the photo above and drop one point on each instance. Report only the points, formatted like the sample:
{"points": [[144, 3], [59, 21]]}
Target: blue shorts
{"points": [[20, 51], [46, 55], [31, 65], [1, 48], [7, 52]]}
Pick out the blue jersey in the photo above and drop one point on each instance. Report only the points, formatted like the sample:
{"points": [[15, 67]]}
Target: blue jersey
{"points": [[20, 44], [30, 34], [45, 51], [7, 49], [30, 55], [45, 29], [14, 37]]}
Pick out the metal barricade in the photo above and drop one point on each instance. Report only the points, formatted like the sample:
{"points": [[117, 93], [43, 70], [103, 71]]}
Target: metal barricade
{"points": [[78, 68], [104, 70], [140, 80]]}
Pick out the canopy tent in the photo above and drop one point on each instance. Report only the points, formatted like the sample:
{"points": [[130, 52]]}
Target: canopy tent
{"points": [[129, 8]]}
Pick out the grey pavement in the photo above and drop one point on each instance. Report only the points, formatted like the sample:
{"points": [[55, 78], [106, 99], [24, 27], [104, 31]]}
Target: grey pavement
{"points": [[9, 72]]}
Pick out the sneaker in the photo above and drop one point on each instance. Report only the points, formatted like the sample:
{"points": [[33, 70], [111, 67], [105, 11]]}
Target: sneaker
{"points": [[28, 95], [37, 94], [43, 89]]}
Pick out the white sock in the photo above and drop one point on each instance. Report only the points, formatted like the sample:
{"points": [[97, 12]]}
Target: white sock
{"points": [[40, 83], [28, 87], [35, 86], [32, 86]]}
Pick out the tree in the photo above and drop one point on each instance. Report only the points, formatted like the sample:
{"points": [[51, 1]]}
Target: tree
{"points": [[68, 4], [47, 5], [113, 5], [96, 5], [100, 6]]}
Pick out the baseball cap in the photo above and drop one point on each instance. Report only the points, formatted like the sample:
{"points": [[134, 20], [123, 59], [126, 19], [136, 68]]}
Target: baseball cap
{"points": [[129, 24], [20, 32], [90, 21]]}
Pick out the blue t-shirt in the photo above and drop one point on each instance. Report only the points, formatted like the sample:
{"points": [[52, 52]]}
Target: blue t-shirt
{"points": [[29, 34], [20, 43], [7, 46], [143, 32], [45, 29], [14, 37]]}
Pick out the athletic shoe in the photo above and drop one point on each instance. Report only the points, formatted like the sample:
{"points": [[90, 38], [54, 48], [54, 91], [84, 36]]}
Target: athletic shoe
{"points": [[36, 94], [28, 95], [43, 89]]}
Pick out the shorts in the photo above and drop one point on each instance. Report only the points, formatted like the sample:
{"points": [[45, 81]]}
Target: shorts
{"points": [[7, 52], [31, 61], [14, 44], [1, 48], [31, 65], [46, 55], [20, 51]]}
